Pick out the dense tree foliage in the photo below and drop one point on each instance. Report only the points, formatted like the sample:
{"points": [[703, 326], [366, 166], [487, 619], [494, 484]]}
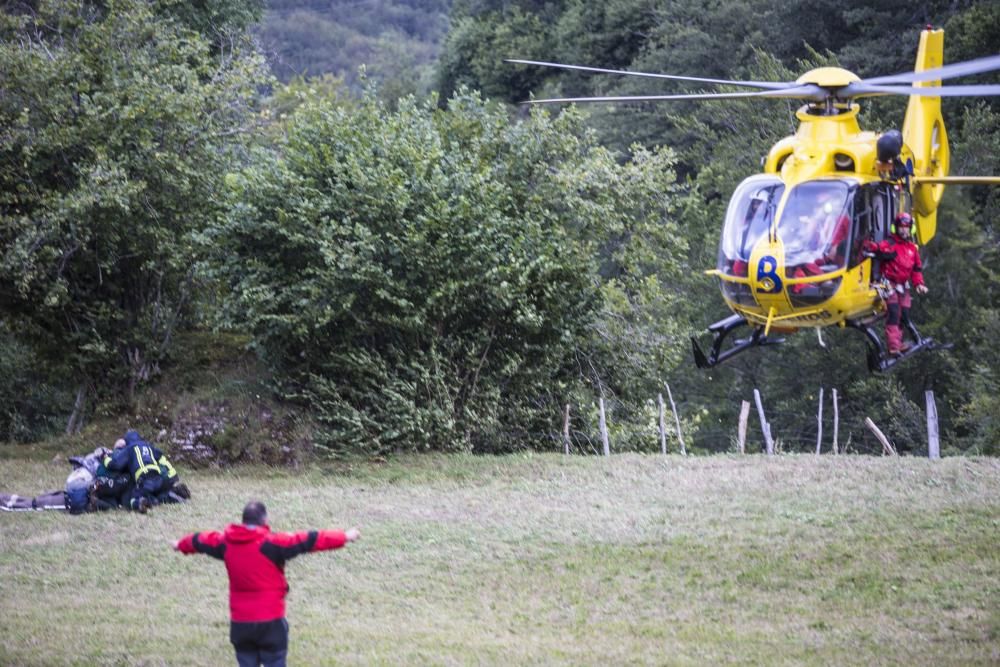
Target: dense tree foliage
{"points": [[425, 278], [450, 272], [117, 122]]}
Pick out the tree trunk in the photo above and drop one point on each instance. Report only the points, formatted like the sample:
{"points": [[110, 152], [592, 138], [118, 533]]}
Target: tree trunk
{"points": [[75, 422]]}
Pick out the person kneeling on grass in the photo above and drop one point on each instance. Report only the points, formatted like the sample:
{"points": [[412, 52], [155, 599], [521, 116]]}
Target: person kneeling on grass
{"points": [[255, 562], [139, 457], [172, 490]]}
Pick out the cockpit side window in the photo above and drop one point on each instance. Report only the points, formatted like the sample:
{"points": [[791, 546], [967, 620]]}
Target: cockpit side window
{"points": [[748, 218]]}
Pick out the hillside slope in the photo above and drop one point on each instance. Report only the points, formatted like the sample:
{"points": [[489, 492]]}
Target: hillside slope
{"points": [[397, 40]]}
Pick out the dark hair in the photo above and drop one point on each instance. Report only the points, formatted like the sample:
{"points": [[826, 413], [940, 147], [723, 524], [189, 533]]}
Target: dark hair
{"points": [[255, 514]]}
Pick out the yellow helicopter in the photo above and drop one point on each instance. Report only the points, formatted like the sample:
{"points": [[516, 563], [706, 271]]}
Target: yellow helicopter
{"points": [[792, 253]]}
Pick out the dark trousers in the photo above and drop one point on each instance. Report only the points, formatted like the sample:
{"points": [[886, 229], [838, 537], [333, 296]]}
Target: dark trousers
{"points": [[147, 486], [166, 486], [264, 643]]}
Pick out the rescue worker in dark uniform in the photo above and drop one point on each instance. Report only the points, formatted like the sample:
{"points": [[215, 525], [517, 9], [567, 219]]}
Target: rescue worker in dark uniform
{"points": [[112, 489], [901, 267], [172, 489], [140, 459]]}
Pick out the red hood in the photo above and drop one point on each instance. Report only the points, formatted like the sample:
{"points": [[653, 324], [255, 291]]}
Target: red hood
{"points": [[237, 532]]}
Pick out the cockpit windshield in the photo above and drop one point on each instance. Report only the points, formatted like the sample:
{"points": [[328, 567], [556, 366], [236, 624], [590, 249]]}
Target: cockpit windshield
{"points": [[815, 225], [748, 218]]}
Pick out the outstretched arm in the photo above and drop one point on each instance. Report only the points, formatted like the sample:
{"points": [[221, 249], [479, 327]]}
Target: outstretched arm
{"points": [[210, 544], [879, 251], [281, 547]]}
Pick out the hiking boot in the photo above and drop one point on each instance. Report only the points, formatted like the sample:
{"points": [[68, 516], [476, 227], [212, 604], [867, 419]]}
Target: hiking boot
{"points": [[144, 505], [181, 490]]}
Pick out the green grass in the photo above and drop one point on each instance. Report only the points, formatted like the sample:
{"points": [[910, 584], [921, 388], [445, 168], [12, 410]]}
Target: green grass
{"points": [[537, 559]]}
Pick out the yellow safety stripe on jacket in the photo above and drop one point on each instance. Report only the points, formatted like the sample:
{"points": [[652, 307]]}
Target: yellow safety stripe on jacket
{"points": [[166, 467], [144, 468]]}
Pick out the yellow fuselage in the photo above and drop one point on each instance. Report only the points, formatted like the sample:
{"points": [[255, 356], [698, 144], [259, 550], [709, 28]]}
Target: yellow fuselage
{"points": [[773, 280]]}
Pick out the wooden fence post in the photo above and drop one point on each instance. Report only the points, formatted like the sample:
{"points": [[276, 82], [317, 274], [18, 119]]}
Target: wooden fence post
{"points": [[836, 421], [663, 426], [764, 427], [741, 433], [566, 430], [887, 447], [819, 423], [604, 429], [677, 420], [933, 443]]}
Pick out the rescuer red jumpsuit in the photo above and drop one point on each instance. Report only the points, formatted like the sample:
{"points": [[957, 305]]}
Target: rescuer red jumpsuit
{"points": [[255, 561], [901, 267]]}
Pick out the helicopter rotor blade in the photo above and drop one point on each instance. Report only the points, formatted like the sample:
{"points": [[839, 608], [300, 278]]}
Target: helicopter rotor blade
{"points": [[866, 89], [958, 180], [767, 85], [966, 68], [806, 92]]}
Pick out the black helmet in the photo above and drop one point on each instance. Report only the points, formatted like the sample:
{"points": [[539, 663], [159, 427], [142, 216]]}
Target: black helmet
{"points": [[889, 145]]}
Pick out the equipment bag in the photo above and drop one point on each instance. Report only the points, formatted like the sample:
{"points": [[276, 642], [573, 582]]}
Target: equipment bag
{"points": [[78, 486]]}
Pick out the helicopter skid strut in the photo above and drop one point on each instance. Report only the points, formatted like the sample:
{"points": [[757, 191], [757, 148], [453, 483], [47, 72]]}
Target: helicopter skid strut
{"points": [[719, 331], [880, 360]]}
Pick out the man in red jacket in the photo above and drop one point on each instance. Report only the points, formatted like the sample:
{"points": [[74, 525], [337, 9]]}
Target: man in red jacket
{"points": [[255, 561], [901, 267]]}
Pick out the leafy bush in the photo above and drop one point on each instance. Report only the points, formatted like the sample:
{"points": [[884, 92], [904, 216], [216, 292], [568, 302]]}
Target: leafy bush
{"points": [[28, 402], [118, 123], [421, 279]]}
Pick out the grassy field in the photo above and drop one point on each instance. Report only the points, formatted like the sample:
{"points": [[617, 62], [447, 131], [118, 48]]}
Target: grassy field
{"points": [[537, 559]]}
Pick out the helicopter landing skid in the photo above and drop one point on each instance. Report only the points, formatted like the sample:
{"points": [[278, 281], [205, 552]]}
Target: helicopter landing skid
{"points": [[880, 360], [719, 331]]}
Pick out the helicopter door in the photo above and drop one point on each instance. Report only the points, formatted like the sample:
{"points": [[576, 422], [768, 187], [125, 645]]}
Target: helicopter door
{"points": [[883, 202], [869, 218], [883, 209]]}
